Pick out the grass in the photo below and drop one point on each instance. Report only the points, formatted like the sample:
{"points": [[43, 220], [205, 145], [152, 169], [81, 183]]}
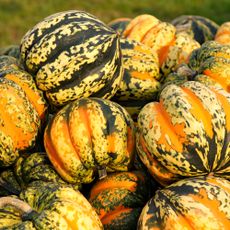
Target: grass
{"points": [[18, 16]]}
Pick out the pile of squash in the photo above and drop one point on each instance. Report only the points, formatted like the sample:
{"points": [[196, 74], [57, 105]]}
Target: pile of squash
{"points": [[124, 125]]}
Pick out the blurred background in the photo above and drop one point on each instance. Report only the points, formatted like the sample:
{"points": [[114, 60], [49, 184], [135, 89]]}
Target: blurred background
{"points": [[18, 16]]}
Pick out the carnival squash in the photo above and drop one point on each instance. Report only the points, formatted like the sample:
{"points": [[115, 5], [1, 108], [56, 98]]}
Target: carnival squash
{"points": [[72, 54], [201, 28], [48, 206], [119, 198], [194, 203], [186, 133], [90, 135]]}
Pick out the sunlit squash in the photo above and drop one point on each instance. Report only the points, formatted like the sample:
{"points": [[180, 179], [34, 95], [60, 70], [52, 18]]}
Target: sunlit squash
{"points": [[210, 64], [27, 83], [141, 80], [223, 34], [119, 198], [50, 206], [19, 122], [72, 54], [201, 28], [194, 203], [212, 61], [179, 52], [152, 32], [88, 135], [186, 133]]}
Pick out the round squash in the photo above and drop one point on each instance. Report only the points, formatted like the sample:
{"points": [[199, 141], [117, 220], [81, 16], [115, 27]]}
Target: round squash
{"points": [[19, 122], [48, 206], [152, 32], [72, 55], [186, 133], [223, 34], [27, 83], [90, 135], [194, 203], [201, 28], [141, 80], [179, 52], [119, 198], [36, 167]]}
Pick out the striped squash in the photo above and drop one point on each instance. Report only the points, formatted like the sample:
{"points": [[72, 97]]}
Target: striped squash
{"points": [[202, 29], [152, 32], [194, 203], [141, 80], [72, 55], [19, 122], [179, 52], [186, 133], [119, 198], [47, 205], [87, 135], [212, 61]]}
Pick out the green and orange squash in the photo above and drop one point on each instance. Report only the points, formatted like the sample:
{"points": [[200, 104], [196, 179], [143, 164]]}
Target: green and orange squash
{"points": [[47, 205], [201, 28], [151, 31], [72, 54], [194, 203], [141, 80], [186, 133], [119, 198], [89, 135], [19, 122]]}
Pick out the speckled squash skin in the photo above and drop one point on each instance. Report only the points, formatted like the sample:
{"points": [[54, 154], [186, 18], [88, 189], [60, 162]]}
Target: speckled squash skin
{"points": [[179, 52], [87, 135], [119, 198], [27, 83], [8, 62], [194, 203], [152, 32], [141, 80], [186, 133], [201, 28], [119, 24], [213, 61], [222, 35], [36, 167], [54, 207], [8, 183], [19, 122], [73, 55]]}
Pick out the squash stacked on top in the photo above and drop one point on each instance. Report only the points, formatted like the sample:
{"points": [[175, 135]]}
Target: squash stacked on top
{"points": [[90, 74], [72, 55], [23, 111]]}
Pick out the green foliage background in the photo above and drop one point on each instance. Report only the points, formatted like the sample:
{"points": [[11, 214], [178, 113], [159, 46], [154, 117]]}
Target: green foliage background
{"points": [[18, 16]]}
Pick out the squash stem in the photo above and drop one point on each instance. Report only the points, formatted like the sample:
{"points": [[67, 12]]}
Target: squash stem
{"points": [[16, 203]]}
